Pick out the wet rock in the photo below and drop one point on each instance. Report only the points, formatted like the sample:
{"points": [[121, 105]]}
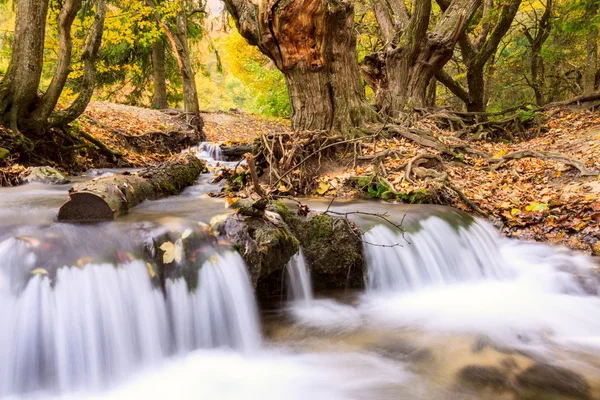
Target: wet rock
{"points": [[178, 249], [266, 246], [45, 175], [483, 376], [403, 351], [332, 247], [549, 379]]}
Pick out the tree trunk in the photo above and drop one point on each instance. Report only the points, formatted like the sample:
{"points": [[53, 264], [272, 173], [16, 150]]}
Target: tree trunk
{"points": [[400, 73], [159, 99], [20, 85], [103, 199], [589, 75], [178, 39], [312, 42]]}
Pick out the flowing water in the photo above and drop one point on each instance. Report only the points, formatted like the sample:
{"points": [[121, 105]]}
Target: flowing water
{"points": [[83, 314]]}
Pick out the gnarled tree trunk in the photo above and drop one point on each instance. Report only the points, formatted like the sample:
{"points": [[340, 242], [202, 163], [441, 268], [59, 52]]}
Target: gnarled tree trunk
{"points": [[312, 42], [476, 51], [20, 106], [401, 72]]}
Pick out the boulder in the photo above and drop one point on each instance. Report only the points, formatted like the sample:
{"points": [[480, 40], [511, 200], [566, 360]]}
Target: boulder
{"points": [[332, 247], [552, 379], [45, 175], [265, 246]]}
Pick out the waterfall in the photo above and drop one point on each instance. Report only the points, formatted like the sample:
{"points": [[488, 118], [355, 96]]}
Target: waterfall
{"points": [[90, 327], [210, 151], [299, 283], [438, 253]]}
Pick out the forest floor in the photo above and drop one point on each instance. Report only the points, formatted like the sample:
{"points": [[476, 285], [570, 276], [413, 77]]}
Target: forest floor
{"points": [[528, 198]]}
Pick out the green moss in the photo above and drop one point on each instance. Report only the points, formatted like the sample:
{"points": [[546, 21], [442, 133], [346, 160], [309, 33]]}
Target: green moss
{"points": [[3, 153], [321, 226], [286, 213], [421, 196]]}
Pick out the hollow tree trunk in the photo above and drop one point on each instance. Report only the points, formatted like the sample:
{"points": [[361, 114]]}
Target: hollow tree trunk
{"points": [[159, 98], [20, 85], [312, 42], [105, 198]]}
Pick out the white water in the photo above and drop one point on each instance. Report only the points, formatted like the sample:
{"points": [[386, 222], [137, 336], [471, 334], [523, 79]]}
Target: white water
{"points": [[94, 326], [209, 151], [298, 280], [474, 281]]}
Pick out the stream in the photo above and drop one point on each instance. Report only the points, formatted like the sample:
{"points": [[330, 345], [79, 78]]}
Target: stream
{"points": [[451, 310]]}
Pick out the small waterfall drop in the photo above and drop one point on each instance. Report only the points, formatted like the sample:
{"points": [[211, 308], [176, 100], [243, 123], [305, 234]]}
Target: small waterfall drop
{"points": [[210, 151], [299, 284], [90, 326], [437, 254]]}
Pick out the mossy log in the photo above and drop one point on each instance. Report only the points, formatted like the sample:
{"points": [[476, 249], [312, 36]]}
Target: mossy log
{"points": [[105, 198]]}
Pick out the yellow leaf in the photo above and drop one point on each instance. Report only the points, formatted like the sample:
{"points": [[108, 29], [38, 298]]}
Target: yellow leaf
{"points": [[186, 233], [515, 211], [533, 206], [499, 154], [173, 251], [151, 271], [83, 261], [323, 187], [39, 271]]}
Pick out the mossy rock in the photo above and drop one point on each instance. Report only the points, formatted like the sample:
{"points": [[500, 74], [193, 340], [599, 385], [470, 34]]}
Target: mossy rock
{"points": [[196, 245], [265, 247], [45, 175], [332, 247]]}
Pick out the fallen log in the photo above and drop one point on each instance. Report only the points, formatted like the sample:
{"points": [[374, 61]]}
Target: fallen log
{"points": [[105, 198], [236, 152]]}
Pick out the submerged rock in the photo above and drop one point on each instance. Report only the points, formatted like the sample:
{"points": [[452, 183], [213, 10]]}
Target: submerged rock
{"points": [[548, 378], [483, 376], [332, 247], [403, 351], [45, 175]]}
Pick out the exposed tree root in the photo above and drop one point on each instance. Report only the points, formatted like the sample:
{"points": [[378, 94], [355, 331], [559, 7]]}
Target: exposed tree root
{"points": [[543, 155]]}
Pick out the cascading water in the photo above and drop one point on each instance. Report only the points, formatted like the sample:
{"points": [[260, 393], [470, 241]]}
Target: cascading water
{"points": [[299, 283], [438, 253], [92, 325], [210, 151], [466, 278]]}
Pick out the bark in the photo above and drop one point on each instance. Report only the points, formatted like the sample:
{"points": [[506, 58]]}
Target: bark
{"points": [[19, 87], [105, 198], [312, 42], [89, 57], [536, 61], [589, 74], [20, 106], [476, 52], [177, 35], [159, 99], [48, 101], [401, 72]]}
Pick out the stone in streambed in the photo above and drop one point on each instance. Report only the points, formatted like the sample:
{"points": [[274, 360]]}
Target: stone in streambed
{"points": [[403, 351], [483, 376], [551, 379], [45, 175], [332, 247]]}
